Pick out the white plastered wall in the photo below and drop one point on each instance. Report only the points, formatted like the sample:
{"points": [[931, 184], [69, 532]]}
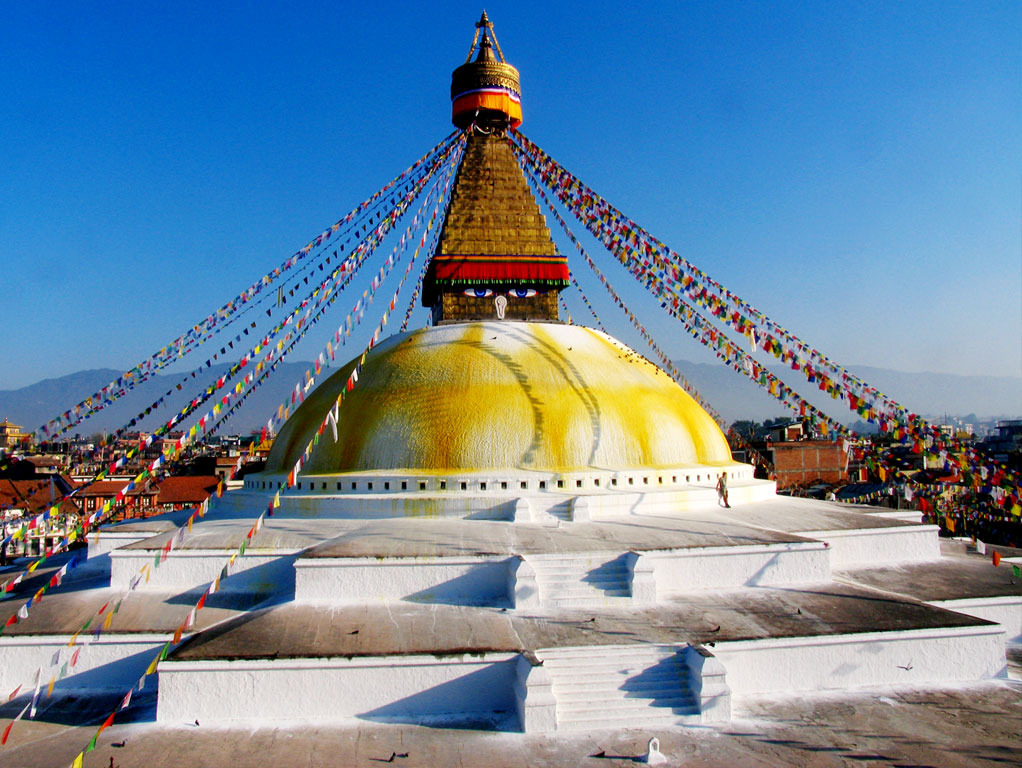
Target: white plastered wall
{"points": [[686, 570], [839, 662], [469, 581], [397, 689]]}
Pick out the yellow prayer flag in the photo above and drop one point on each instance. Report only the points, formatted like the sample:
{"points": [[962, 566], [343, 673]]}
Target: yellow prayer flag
{"points": [[78, 760], [152, 665]]}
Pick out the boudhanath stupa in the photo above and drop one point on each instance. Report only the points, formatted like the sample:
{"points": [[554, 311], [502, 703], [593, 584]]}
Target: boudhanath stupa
{"points": [[511, 524]]}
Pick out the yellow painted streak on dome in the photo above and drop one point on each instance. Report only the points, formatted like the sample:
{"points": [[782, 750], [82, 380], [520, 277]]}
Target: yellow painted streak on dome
{"points": [[503, 395]]}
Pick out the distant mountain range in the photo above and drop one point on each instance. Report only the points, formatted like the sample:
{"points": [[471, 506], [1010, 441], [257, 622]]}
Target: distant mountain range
{"points": [[734, 396], [929, 394]]}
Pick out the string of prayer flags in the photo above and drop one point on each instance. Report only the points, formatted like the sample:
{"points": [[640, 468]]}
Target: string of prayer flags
{"points": [[191, 338], [680, 287]]}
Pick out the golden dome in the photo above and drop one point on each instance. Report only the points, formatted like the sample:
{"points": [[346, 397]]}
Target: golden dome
{"points": [[502, 395]]}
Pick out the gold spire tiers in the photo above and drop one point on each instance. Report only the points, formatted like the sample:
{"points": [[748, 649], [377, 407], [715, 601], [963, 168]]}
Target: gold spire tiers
{"points": [[486, 91], [495, 259]]}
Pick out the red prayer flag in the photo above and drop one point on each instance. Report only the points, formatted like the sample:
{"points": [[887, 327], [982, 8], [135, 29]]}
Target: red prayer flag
{"points": [[107, 723], [996, 558]]}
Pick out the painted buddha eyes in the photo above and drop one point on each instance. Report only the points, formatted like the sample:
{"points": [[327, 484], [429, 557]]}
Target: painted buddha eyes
{"points": [[485, 293]]}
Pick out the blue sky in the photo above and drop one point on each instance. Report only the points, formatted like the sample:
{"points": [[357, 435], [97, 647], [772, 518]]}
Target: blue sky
{"points": [[852, 169]]}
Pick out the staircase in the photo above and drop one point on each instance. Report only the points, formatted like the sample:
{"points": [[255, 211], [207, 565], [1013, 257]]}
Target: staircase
{"points": [[620, 687], [582, 581]]}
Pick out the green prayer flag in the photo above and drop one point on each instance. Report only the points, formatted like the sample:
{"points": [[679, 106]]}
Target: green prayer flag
{"points": [[1016, 570], [165, 651], [92, 744]]}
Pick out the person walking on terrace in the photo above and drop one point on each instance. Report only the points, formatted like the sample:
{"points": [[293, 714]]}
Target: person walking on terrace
{"points": [[722, 489]]}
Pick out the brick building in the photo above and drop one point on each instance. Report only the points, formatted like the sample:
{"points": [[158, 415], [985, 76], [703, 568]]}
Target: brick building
{"points": [[805, 462], [140, 501]]}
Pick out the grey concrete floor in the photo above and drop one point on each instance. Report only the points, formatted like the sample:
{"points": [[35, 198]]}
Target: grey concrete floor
{"points": [[978, 725]]}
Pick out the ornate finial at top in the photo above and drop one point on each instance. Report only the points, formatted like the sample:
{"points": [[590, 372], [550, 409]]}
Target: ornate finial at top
{"points": [[486, 92]]}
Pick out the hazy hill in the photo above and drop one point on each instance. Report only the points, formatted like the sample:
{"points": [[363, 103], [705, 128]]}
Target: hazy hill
{"points": [[734, 396]]}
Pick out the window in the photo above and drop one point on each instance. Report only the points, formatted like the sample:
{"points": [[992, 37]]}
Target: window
{"points": [[482, 486], [443, 485], [404, 485], [422, 485], [525, 485], [386, 486], [464, 486]]}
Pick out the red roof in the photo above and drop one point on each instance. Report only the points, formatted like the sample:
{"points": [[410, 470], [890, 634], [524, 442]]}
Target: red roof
{"points": [[33, 496], [110, 488], [187, 489]]}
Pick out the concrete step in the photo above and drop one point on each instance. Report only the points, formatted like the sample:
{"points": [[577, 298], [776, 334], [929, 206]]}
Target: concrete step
{"points": [[620, 680], [630, 706], [646, 718], [635, 661], [582, 588], [660, 695], [592, 601], [582, 574]]}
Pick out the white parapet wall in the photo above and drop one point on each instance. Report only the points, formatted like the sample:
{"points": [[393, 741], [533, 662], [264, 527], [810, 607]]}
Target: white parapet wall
{"points": [[185, 569], [679, 571], [451, 580], [400, 689], [859, 547], [842, 662], [103, 541], [1005, 610], [113, 662]]}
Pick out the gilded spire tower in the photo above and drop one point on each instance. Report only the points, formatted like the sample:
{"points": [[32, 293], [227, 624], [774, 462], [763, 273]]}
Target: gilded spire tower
{"points": [[495, 258]]}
